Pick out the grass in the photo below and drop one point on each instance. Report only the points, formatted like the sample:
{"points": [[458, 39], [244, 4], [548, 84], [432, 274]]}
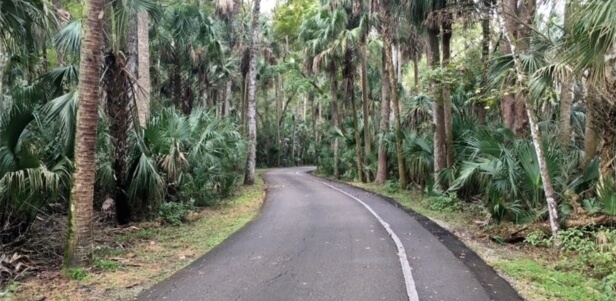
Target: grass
{"points": [[135, 258], [533, 271]]}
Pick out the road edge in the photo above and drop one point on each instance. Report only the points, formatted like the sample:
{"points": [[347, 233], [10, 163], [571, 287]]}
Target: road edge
{"points": [[495, 285]]}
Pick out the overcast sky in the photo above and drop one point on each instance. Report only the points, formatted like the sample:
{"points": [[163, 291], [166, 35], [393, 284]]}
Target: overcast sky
{"points": [[267, 5]]}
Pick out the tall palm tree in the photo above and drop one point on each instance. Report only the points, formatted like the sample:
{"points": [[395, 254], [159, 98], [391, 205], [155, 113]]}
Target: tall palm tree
{"points": [[388, 9], [79, 237], [251, 159]]}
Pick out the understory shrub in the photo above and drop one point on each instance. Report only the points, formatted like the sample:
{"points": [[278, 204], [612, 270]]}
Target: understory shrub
{"points": [[174, 213]]}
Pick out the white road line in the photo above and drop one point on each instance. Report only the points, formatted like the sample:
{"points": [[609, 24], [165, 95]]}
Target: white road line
{"points": [[411, 289]]}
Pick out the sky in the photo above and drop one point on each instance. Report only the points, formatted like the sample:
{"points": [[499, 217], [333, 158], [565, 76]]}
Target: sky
{"points": [[268, 5]]}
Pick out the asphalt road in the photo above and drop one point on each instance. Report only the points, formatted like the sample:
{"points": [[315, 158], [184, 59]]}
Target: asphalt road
{"points": [[319, 240]]}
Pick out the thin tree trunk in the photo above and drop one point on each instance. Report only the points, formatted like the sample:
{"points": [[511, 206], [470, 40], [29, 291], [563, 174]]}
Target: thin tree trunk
{"points": [[480, 108], [358, 146], [145, 84], [251, 161], [3, 60], [226, 108], [546, 180], [365, 103], [440, 148], [396, 110], [590, 131], [79, 237], [447, 104], [566, 97], [381, 170], [334, 110]]}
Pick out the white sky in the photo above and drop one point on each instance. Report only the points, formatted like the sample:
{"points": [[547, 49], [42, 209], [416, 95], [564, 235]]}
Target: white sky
{"points": [[268, 5]]}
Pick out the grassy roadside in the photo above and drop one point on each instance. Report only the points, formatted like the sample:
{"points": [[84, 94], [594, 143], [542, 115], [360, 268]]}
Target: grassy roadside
{"points": [[132, 259], [534, 272]]}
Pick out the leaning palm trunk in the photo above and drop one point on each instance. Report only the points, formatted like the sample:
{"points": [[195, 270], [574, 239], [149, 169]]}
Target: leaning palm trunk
{"points": [[79, 237], [145, 85], [546, 180], [251, 160]]}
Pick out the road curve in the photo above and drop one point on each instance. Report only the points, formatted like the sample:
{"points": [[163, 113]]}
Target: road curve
{"points": [[318, 240]]}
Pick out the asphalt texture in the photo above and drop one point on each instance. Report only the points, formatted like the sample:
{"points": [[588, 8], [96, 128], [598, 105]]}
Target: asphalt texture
{"points": [[314, 240]]}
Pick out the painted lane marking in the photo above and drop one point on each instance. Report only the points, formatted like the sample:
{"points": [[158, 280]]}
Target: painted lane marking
{"points": [[411, 289]]}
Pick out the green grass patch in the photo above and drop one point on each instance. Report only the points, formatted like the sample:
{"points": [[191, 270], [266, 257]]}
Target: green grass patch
{"points": [[550, 284]]}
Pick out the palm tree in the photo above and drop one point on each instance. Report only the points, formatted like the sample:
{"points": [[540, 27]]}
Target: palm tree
{"points": [[388, 7], [79, 237], [251, 160], [521, 79]]}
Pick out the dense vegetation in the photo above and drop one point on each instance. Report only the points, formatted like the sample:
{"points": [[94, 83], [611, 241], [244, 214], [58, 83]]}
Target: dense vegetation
{"points": [[504, 104]]}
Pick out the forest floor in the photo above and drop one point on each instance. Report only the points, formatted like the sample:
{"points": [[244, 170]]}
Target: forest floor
{"points": [[535, 272], [130, 259]]}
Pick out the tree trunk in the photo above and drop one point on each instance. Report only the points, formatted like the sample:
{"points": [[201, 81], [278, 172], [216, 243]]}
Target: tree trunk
{"points": [[590, 131], [3, 60], [251, 161], [566, 96], [438, 114], [480, 106], [358, 146], [381, 170], [447, 104], [79, 237], [334, 110], [365, 103], [117, 84], [546, 180], [226, 108], [145, 85], [396, 110]]}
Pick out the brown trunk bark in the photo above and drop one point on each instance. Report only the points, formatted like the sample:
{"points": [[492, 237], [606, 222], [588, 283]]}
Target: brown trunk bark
{"points": [[590, 131], [381, 171], [79, 237], [447, 104]]}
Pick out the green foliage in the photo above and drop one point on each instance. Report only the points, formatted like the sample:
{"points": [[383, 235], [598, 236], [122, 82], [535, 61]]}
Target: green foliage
{"points": [[78, 274], [391, 186], [107, 265], [174, 213], [538, 239], [443, 203]]}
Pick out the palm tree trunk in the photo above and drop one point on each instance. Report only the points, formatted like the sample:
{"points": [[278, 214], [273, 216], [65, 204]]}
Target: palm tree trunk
{"points": [[440, 148], [566, 98], [447, 104], [590, 131], [381, 170], [145, 84], [394, 97], [334, 110], [79, 237], [480, 108], [358, 146], [546, 180], [226, 108], [365, 103], [3, 60], [251, 161]]}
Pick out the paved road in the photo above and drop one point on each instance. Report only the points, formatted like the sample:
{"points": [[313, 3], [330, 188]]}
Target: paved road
{"points": [[318, 240]]}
